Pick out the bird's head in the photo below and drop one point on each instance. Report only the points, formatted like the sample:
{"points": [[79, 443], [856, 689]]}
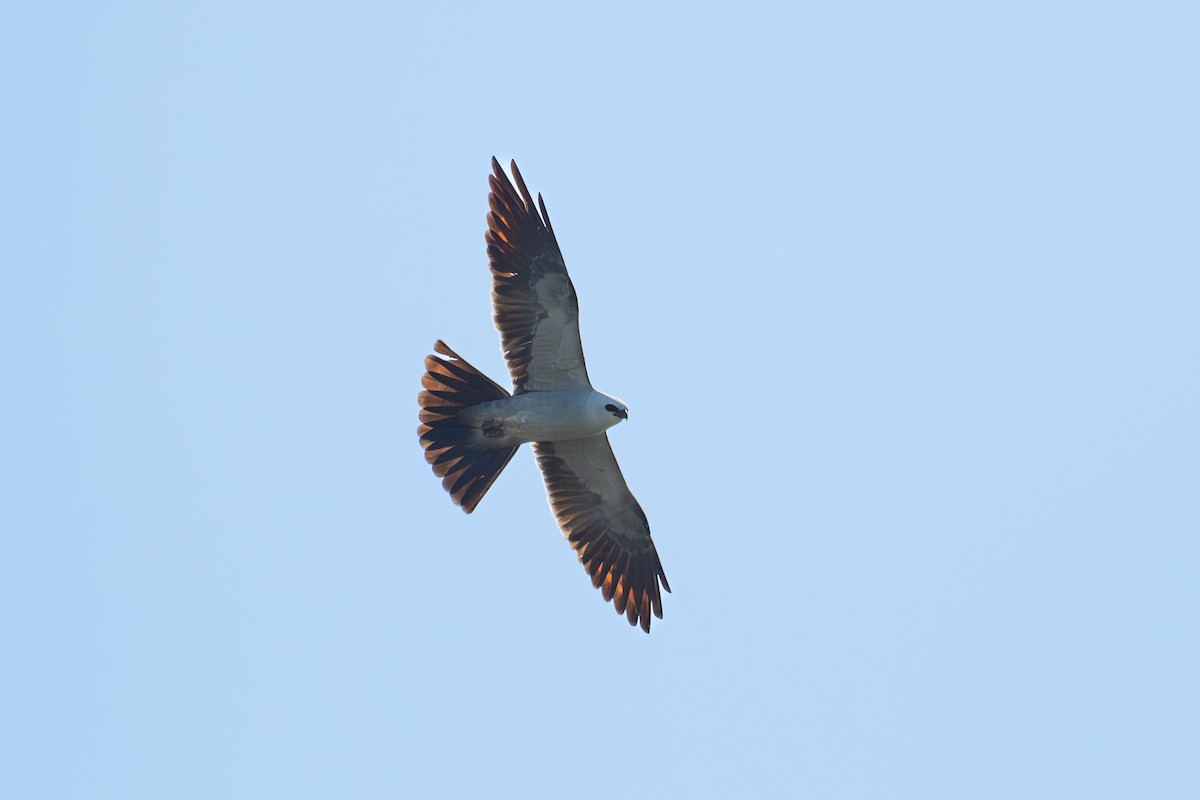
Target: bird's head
{"points": [[617, 409], [605, 411]]}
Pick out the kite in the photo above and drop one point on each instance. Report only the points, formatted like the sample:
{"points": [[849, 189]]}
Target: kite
{"points": [[471, 426]]}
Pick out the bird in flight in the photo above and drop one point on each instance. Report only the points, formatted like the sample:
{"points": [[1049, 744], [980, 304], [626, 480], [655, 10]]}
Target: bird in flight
{"points": [[471, 426]]}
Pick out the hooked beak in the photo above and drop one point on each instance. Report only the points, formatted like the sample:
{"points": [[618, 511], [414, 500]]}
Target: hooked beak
{"points": [[622, 413]]}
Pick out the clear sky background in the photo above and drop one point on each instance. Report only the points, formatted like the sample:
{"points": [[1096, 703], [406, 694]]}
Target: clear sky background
{"points": [[904, 300]]}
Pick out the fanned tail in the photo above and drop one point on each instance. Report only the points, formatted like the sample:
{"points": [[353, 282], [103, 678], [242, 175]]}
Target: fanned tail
{"points": [[458, 453]]}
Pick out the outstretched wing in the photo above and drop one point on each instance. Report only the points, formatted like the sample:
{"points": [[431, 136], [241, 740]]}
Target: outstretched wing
{"points": [[604, 523], [533, 301]]}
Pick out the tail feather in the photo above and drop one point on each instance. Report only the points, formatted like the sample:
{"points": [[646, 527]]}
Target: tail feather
{"points": [[467, 468]]}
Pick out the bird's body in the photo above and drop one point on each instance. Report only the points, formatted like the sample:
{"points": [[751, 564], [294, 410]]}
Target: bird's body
{"points": [[471, 426], [547, 415]]}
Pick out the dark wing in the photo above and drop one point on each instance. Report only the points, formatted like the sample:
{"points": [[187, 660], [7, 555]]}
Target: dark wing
{"points": [[533, 301], [605, 524]]}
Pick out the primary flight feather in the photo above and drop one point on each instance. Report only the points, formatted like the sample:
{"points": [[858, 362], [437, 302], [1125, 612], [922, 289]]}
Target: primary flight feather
{"points": [[471, 426]]}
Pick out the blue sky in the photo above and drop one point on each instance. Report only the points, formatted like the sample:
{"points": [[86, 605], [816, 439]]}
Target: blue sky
{"points": [[903, 299]]}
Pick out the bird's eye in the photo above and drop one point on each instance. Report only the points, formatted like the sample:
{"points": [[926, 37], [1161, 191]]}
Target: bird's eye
{"points": [[612, 408]]}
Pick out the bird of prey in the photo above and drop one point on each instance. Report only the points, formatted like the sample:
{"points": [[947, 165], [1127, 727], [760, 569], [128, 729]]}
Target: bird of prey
{"points": [[471, 426]]}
